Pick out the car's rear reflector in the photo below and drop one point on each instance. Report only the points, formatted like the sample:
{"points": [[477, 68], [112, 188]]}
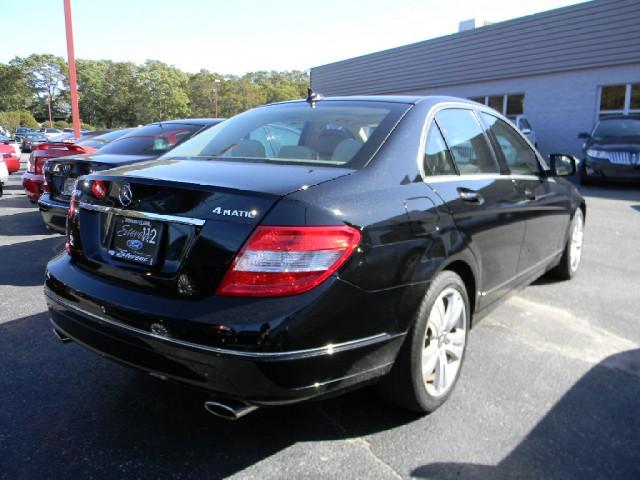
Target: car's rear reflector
{"points": [[279, 261]]}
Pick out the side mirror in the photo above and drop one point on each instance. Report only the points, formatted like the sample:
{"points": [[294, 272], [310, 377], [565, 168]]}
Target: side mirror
{"points": [[562, 165], [526, 131], [584, 136]]}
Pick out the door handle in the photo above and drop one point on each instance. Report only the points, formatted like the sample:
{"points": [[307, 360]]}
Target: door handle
{"points": [[529, 194], [470, 196]]}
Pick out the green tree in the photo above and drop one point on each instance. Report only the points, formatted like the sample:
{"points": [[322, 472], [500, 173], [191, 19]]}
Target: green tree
{"points": [[161, 93], [46, 76], [15, 93], [202, 87], [119, 100], [238, 95], [92, 89]]}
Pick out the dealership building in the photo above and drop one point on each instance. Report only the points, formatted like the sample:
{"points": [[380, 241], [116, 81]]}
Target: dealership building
{"points": [[563, 69]]}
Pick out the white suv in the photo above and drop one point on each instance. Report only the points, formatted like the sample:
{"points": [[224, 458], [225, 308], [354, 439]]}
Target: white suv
{"points": [[525, 127]]}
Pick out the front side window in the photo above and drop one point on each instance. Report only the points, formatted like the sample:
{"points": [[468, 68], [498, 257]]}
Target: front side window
{"points": [[517, 152], [437, 159], [467, 141], [330, 133]]}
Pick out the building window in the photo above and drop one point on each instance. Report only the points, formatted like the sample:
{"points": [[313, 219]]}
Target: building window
{"points": [[511, 104], [515, 104], [619, 99]]}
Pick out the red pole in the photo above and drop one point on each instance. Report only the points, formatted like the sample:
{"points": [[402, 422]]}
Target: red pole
{"points": [[73, 83]]}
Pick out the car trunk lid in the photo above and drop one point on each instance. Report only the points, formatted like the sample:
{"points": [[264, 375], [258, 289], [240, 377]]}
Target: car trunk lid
{"points": [[176, 225]]}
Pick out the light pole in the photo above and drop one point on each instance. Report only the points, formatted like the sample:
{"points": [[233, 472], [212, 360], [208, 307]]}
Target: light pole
{"points": [[216, 86], [73, 84]]}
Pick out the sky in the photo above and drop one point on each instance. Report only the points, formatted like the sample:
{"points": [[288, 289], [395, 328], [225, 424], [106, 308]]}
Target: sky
{"points": [[239, 36]]}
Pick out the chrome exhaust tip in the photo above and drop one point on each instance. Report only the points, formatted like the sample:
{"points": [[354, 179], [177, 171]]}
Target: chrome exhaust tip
{"points": [[228, 409], [61, 336]]}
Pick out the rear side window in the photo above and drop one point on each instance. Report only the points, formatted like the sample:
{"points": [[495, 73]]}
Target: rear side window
{"points": [[437, 159], [517, 152], [467, 141]]}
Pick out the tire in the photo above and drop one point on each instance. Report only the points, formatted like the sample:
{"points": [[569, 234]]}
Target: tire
{"points": [[441, 350], [572, 254], [584, 178]]}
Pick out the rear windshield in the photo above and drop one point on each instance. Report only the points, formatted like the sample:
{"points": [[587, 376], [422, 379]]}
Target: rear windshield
{"points": [[617, 127], [99, 141], [332, 133], [152, 140]]}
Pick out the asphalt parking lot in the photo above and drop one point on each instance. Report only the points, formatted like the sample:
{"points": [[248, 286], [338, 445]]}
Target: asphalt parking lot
{"points": [[550, 387]]}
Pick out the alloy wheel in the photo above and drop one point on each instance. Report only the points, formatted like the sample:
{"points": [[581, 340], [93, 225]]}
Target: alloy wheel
{"points": [[444, 342], [577, 236]]}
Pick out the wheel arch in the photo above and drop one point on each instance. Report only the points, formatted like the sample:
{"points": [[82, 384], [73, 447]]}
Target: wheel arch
{"points": [[464, 269]]}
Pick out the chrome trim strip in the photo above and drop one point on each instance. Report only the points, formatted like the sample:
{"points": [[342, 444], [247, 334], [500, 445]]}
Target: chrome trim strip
{"points": [[146, 215], [479, 176], [274, 356], [522, 273]]}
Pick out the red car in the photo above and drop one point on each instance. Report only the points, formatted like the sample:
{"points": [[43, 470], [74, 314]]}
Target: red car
{"points": [[33, 179], [9, 156]]}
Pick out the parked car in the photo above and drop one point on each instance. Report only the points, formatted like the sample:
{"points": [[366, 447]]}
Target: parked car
{"points": [[525, 127], [21, 132], [144, 143], [4, 175], [12, 142], [8, 154], [51, 133], [30, 140], [363, 250], [612, 150], [33, 179]]}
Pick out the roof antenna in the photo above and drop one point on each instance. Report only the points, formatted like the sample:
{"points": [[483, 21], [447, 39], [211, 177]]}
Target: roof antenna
{"points": [[312, 97]]}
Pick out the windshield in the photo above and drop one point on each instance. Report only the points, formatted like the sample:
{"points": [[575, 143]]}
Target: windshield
{"points": [[617, 127], [333, 133], [153, 139], [37, 136]]}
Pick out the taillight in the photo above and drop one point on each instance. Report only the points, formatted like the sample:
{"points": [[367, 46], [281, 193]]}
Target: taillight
{"points": [[73, 205], [73, 209], [279, 261], [98, 189]]}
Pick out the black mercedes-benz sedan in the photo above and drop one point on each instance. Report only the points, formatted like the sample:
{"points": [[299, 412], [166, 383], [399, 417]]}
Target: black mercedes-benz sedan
{"points": [[302, 248], [138, 144], [612, 150]]}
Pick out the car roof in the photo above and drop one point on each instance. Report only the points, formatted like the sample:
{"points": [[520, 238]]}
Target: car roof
{"points": [[406, 99], [191, 121]]}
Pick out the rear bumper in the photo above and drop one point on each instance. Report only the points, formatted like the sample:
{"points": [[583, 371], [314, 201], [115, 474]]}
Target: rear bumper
{"points": [[257, 376], [604, 170], [33, 185], [54, 213]]}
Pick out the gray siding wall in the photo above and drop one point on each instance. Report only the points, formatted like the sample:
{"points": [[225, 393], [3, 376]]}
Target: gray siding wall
{"points": [[589, 35], [558, 105]]}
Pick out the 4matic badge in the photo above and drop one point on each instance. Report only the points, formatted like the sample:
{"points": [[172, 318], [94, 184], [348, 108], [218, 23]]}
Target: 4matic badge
{"points": [[235, 213]]}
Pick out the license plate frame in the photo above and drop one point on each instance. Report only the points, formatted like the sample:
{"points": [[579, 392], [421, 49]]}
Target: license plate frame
{"points": [[136, 240]]}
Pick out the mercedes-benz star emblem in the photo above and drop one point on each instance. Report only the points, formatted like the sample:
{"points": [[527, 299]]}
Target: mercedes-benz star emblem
{"points": [[124, 195], [159, 329]]}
